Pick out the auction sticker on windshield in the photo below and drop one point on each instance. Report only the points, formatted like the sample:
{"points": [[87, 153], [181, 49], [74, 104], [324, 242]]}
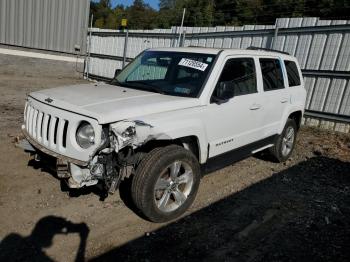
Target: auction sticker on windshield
{"points": [[193, 64]]}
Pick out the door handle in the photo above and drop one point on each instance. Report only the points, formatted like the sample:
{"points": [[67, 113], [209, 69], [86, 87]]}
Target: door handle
{"points": [[284, 100], [255, 107]]}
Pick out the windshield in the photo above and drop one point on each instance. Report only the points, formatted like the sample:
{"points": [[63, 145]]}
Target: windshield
{"points": [[171, 73]]}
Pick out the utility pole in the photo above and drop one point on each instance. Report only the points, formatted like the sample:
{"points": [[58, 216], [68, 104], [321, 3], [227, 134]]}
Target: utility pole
{"points": [[182, 23], [125, 28], [89, 49]]}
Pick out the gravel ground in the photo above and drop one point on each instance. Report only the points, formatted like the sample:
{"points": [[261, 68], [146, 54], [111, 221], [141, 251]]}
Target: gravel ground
{"points": [[255, 210]]}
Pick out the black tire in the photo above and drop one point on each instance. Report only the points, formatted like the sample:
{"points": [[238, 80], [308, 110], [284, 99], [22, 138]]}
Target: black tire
{"points": [[277, 150], [150, 170]]}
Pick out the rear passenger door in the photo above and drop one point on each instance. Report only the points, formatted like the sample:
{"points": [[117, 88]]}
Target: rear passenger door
{"points": [[275, 97]]}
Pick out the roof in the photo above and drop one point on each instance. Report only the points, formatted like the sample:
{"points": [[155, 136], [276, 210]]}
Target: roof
{"points": [[215, 51], [205, 50]]}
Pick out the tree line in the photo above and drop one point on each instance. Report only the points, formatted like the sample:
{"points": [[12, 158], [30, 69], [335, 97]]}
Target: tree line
{"points": [[213, 12]]}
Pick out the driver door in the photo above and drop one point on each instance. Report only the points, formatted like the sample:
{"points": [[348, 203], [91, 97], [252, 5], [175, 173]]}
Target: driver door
{"points": [[235, 110]]}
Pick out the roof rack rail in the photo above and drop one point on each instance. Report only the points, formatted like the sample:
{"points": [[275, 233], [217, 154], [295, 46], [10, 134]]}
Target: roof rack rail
{"points": [[266, 49], [199, 46]]}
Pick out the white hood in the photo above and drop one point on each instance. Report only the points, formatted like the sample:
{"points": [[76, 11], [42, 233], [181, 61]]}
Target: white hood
{"points": [[109, 103]]}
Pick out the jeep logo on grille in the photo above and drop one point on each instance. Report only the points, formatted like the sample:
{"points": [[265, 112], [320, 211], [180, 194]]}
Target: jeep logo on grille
{"points": [[49, 100]]}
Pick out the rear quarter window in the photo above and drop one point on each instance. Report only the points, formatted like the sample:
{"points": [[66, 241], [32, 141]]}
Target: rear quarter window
{"points": [[293, 73]]}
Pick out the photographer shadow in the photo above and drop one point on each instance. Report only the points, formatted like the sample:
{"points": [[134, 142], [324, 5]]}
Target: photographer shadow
{"points": [[15, 247]]}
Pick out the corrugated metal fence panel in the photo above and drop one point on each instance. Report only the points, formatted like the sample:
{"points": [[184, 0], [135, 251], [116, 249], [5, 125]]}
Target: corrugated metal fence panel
{"points": [[345, 106], [320, 51], [56, 25], [103, 67], [323, 51], [315, 50]]}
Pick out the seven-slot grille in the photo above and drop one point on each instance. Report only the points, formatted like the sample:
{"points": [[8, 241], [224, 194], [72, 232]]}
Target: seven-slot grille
{"points": [[47, 129]]}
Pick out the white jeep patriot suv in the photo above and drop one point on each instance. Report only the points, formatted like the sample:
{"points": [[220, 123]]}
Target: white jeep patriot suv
{"points": [[166, 118]]}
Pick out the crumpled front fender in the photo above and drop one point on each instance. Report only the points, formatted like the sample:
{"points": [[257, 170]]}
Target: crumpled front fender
{"points": [[136, 133]]}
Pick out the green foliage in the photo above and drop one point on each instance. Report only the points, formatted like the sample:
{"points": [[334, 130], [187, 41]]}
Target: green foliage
{"points": [[140, 15], [214, 12]]}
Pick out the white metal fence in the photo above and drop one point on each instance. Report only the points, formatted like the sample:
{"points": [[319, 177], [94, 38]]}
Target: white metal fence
{"points": [[321, 46]]}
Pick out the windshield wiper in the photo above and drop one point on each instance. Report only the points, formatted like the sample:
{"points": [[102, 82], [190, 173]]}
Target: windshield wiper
{"points": [[148, 86], [114, 81]]}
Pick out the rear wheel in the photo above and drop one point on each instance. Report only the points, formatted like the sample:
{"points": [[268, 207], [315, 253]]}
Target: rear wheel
{"points": [[285, 143], [166, 183]]}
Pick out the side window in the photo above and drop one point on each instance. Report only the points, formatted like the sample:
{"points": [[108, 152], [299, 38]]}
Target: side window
{"points": [[272, 74], [292, 72], [238, 78]]}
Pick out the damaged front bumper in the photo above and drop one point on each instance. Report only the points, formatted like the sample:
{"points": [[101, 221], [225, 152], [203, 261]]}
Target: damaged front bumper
{"points": [[34, 145], [110, 163], [78, 173]]}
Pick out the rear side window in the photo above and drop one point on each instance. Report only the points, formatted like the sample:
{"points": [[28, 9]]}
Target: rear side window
{"points": [[238, 76], [272, 74], [292, 72]]}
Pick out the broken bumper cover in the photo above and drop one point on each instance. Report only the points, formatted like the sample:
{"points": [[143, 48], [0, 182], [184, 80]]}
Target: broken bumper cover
{"points": [[39, 147], [76, 172]]}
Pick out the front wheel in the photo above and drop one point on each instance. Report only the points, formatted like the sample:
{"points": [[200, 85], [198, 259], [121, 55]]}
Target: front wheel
{"points": [[285, 143], [166, 183]]}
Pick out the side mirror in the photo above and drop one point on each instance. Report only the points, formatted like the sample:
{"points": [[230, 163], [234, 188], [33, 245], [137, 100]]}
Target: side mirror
{"points": [[223, 93], [218, 100], [116, 73]]}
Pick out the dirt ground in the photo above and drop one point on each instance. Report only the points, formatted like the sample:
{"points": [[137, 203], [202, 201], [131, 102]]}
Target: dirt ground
{"points": [[254, 210]]}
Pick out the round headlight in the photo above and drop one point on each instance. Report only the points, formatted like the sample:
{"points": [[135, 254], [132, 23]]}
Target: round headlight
{"points": [[85, 135]]}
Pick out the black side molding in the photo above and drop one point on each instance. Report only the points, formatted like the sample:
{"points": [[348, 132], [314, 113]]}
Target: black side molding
{"points": [[233, 156]]}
